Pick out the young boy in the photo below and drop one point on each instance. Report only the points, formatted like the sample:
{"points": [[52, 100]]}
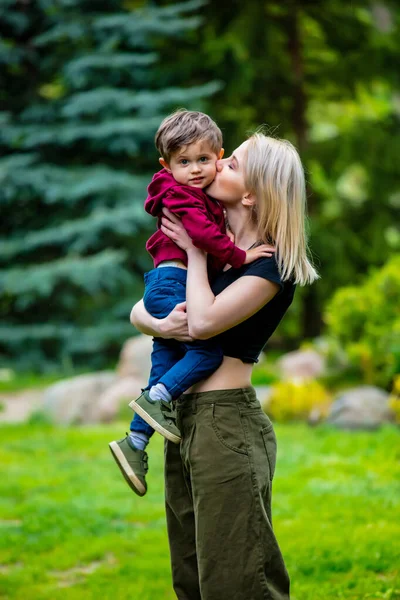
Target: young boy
{"points": [[190, 143]]}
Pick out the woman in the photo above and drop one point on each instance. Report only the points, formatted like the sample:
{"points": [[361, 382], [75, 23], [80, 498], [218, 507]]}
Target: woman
{"points": [[218, 481]]}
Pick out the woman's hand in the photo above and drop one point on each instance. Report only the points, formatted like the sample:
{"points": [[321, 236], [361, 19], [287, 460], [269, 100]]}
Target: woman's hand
{"points": [[173, 228], [175, 325]]}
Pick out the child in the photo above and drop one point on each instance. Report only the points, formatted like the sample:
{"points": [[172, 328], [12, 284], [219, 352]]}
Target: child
{"points": [[190, 143]]}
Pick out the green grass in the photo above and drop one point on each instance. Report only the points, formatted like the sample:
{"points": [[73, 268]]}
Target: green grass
{"points": [[70, 528]]}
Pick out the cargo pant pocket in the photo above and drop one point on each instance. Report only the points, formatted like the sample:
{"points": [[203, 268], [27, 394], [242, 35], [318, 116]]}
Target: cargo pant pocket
{"points": [[269, 439], [227, 425]]}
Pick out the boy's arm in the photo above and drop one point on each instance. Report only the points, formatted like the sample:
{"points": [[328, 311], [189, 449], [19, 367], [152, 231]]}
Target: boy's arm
{"points": [[205, 234]]}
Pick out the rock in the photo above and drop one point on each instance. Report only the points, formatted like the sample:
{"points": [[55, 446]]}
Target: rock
{"points": [[318, 414], [76, 400], [364, 407], [134, 359], [118, 394], [16, 407], [263, 393], [301, 364]]}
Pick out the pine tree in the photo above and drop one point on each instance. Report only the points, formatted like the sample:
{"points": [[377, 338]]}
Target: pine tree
{"points": [[83, 92]]}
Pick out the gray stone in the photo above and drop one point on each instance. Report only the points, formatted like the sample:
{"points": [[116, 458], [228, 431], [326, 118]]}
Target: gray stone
{"points": [[16, 407], [301, 364], [76, 400], [364, 407], [119, 394], [263, 393], [134, 360], [317, 415]]}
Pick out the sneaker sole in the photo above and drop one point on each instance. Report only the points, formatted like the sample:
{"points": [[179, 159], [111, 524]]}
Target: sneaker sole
{"points": [[155, 425], [132, 480]]}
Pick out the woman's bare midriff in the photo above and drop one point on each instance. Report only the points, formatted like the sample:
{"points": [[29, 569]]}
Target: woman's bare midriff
{"points": [[232, 373]]}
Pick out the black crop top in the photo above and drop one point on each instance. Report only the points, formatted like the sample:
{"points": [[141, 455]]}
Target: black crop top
{"points": [[246, 340]]}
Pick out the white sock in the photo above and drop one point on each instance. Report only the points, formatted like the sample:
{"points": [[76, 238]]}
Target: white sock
{"points": [[139, 439], [160, 392]]}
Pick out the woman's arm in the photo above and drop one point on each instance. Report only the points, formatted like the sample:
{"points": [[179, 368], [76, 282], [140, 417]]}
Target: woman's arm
{"points": [[209, 315], [174, 325], [143, 321]]}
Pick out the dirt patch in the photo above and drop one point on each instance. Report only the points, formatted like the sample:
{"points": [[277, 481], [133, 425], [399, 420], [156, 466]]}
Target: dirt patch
{"points": [[5, 569], [10, 522], [76, 575]]}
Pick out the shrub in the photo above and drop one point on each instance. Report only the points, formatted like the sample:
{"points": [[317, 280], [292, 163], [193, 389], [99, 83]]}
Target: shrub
{"points": [[294, 400], [394, 400], [264, 373], [365, 320]]}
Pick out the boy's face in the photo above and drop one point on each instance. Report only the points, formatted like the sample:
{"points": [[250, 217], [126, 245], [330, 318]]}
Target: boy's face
{"points": [[193, 165]]}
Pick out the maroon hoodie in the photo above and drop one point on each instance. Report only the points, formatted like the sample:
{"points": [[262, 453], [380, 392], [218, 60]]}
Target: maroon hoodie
{"points": [[201, 216]]}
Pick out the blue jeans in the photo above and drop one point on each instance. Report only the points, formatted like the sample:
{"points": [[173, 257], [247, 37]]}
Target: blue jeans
{"points": [[177, 365]]}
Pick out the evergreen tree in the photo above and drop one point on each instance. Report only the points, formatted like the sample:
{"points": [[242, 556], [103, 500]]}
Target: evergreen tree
{"points": [[82, 93]]}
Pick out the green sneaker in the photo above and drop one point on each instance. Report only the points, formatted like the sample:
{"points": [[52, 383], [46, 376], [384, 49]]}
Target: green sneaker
{"points": [[159, 415], [132, 463]]}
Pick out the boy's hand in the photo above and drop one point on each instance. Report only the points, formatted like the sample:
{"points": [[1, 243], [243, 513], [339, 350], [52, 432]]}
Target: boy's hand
{"points": [[260, 251], [230, 235]]}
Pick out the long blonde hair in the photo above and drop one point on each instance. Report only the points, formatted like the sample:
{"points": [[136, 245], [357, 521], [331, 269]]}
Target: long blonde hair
{"points": [[275, 175]]}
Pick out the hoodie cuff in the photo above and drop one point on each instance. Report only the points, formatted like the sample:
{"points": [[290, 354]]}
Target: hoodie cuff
{"points": [[237, 258]]}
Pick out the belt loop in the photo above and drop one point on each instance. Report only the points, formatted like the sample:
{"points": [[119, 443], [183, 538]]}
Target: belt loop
{"points": [[194, 404], [246, 395]]}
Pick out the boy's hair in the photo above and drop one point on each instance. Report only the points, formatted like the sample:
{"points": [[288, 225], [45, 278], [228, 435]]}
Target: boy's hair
{"points": [[185, 127]]}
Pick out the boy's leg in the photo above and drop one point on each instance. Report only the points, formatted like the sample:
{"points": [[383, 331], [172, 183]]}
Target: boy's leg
{"points": [[164, 355], [200, 360], [129, 452], [159, 415], [164, 288]]}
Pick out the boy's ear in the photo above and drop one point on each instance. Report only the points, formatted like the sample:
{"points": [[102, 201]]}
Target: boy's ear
{"points": [[221, 154], [164, 164]]}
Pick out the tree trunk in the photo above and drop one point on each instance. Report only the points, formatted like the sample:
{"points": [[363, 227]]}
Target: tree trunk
{"points": [[311, 313]]}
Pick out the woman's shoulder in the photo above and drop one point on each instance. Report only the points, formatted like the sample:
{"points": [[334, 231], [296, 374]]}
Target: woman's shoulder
{"points": [[265, 267]]}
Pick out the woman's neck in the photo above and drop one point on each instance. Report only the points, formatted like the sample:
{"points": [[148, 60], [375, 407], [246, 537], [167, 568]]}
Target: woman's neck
{"points": [[244, 230]]}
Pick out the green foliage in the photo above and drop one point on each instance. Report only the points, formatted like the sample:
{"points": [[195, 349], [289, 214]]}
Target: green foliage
{"points": [[83, 86], [365, 320], [82, 97], [71, 529], [265, 372], [324, 76], [394, 400]]}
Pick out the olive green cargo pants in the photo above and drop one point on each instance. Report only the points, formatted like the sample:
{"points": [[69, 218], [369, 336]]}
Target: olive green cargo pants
{"points": [[218, 500]]}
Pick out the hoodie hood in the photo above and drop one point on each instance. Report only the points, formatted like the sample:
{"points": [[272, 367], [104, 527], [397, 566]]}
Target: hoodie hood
{"points": [[160, 184]]}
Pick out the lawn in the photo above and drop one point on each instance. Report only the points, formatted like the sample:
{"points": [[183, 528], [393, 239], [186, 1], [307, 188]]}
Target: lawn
{"points": [[70, 528]]}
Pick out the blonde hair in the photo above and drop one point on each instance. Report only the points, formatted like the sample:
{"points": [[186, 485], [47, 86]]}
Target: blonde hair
{"points": [[185, 127], [275, 175]]}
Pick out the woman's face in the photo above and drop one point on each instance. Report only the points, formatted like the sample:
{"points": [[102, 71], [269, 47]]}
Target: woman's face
{"points": [[228, 186]]}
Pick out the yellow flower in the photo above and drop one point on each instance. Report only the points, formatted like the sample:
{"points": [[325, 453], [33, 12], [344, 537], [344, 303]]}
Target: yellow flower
{"points": [[291, 400]]}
